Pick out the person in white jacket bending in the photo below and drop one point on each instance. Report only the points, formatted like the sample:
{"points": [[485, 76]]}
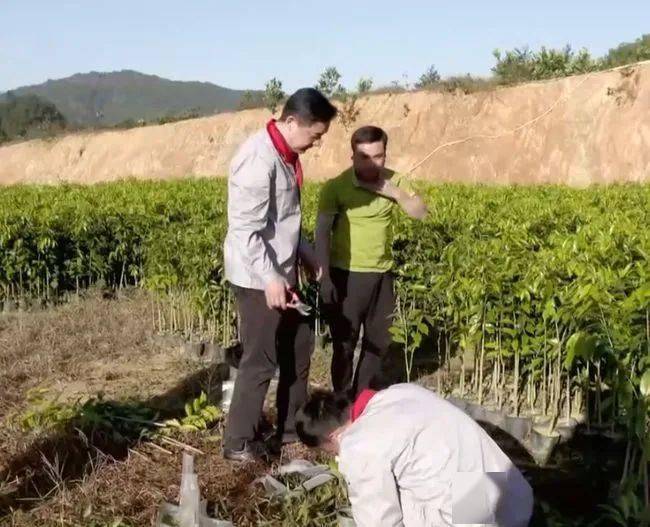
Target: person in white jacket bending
{"points": [[412, 459]]}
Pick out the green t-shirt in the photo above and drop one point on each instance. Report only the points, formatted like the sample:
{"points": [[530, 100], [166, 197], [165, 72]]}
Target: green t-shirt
{"points": [[362, 231]]}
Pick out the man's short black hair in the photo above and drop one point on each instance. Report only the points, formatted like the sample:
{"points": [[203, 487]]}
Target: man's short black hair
{"points": [[309, 106], [323, 413], [368, 134]]}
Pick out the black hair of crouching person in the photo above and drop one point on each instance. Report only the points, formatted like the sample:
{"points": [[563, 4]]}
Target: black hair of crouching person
{"points": [[323, 413]]}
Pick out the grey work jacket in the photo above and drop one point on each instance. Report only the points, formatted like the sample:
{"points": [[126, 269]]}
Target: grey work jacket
{"points": [[264, 217]]}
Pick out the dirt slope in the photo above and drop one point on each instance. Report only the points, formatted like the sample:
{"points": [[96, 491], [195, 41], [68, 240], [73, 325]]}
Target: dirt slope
{"points": [[586, 129]]}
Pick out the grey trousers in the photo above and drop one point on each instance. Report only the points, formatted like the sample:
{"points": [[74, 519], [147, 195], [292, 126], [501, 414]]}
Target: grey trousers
{"points": [[270, 339]]}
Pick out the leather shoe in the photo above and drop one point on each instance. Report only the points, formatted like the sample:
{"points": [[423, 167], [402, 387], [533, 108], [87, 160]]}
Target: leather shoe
{"points": [[274, 444]]}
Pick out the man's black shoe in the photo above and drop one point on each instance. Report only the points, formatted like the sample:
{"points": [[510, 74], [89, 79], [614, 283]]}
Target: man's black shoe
{"points": [[274, 444]]}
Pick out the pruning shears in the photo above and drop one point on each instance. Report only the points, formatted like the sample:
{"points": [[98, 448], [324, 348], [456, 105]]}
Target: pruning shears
{"points": [[297, 304]]}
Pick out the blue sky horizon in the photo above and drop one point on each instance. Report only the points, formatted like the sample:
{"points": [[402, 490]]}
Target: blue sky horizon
{"points": [[243, 45]]}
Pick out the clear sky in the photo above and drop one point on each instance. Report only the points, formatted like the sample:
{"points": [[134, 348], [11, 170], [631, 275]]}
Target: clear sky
{"points": [[243, 44]]}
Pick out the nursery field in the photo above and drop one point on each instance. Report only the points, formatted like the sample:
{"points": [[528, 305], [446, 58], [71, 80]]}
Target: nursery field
{"points": [[528, 307]]}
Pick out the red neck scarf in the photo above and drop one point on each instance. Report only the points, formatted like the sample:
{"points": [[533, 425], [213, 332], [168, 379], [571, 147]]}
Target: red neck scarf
{"points": [[360, 404], [287, 155]]}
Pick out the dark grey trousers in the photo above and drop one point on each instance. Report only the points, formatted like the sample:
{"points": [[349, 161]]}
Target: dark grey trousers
{"points": [[363, 299], [269, 338]]}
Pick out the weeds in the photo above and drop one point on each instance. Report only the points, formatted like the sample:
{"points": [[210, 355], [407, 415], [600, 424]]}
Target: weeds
{"points": [[121, 421]]}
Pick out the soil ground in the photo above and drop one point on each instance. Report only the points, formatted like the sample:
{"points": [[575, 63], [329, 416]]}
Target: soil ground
{"points": [[79, 350], [105, 344]]}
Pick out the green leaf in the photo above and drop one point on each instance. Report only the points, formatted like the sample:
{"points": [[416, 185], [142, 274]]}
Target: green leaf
{"points": [[644, 386], [579, 346], [549, 310]]}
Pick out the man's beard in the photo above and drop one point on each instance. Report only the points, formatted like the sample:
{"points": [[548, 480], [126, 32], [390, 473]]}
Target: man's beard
{"points": [[369, 174]]}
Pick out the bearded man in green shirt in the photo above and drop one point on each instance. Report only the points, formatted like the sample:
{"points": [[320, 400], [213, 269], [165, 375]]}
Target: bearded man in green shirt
{"points": [[353, 243]]}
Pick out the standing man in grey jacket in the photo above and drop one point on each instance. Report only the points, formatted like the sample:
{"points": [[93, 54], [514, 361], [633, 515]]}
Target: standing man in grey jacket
{"points": [[261, 253]]}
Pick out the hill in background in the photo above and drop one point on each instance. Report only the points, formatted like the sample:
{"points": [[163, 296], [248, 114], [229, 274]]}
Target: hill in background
{"points": [[106, 99]]}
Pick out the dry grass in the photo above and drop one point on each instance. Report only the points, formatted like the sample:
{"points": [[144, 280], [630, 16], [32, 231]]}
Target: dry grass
{"points": [[90, 345], [67, 478], [131, 489], [93, 345]]}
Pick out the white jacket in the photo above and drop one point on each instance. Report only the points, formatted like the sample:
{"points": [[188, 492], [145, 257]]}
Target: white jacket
{"points": [[413, 459]]}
